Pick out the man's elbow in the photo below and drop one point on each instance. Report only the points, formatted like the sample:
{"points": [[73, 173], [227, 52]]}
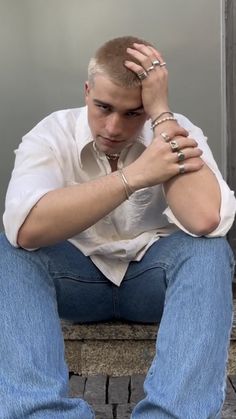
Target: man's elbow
{"points": [[206, 225], [26, 239]]}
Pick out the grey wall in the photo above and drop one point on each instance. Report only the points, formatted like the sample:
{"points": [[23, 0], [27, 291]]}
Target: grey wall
{"points": [[45, 46]]}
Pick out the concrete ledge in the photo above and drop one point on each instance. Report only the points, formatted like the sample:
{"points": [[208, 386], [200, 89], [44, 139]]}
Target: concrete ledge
{"points": [[118, 330], [118, 349]]}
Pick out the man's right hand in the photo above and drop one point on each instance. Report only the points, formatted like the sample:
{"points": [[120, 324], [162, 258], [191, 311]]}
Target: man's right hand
{"points": [[159, 163]]}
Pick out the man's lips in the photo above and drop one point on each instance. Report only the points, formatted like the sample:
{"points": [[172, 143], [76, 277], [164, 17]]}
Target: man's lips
{"points": [[111, 141]]}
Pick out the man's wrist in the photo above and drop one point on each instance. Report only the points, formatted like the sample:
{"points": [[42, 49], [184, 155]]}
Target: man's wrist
{"points": [[161, 115]]}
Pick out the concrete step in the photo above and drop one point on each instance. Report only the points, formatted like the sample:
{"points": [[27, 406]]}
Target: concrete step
{"points": [[119, 349]]}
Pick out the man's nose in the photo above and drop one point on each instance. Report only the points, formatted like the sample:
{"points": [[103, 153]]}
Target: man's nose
{"points": [[114, 125]]}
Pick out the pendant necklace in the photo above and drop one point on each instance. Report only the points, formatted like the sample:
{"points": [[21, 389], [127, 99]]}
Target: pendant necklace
{"points": [[112, 156]]}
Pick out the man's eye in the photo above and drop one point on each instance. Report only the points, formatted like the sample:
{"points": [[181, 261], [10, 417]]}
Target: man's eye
{"points": [[132, 114], [103, 107]]}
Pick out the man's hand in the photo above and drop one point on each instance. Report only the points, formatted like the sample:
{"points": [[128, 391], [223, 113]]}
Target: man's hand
{"points": [[159, 163], [155, 83]]}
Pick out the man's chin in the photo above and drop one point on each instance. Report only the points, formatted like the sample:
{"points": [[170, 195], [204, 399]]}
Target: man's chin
{"points": [[109, 146]]}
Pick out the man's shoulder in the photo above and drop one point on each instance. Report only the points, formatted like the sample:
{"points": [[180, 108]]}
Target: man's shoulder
{"points": [[58, 122], [56, 130], [62, 117]]}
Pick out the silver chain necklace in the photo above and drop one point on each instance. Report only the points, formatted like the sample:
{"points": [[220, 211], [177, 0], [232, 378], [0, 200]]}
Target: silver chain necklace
{"points": [[112, 156]]}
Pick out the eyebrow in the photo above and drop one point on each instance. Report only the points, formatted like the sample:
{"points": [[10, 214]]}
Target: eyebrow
{"points": [[100, 102]]}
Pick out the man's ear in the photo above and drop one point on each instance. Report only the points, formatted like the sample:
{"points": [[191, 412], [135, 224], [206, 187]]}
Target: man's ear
{"points": [[86, 88], [86, 92]]}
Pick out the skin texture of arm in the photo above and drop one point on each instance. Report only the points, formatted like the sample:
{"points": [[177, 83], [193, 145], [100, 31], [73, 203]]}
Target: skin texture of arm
{"points": [[62, 213], [194, 199]]}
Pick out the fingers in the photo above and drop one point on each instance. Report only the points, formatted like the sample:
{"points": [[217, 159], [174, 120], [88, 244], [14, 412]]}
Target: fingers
{"points": [[148, 58], [173, 132], [186, 158], [186, 153], [178, 142], [183, 154], [191, 165]]}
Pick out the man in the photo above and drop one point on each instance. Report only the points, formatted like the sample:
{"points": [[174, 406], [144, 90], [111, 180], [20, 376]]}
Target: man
{"points": [[117, 210]]}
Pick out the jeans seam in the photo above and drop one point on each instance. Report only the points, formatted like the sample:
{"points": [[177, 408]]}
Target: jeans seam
{"points": [[79, 279], [160, 265]]}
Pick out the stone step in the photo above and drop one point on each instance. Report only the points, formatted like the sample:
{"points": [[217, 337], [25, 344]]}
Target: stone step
{"points": [[118, 349]]}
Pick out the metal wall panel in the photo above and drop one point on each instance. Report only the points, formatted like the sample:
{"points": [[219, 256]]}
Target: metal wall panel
{"points": [[45, 46]]}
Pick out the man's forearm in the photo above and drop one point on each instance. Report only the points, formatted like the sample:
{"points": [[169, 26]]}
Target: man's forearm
{"points": [[194, 199], [65, 212]]}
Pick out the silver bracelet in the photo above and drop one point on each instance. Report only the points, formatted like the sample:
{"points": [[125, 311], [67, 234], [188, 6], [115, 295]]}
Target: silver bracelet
{"points": [[128, 189], [169, 118], [159, 116]]}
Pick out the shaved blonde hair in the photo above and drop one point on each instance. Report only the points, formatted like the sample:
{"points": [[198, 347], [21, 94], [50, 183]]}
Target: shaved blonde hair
{"points": [[109, 61]]}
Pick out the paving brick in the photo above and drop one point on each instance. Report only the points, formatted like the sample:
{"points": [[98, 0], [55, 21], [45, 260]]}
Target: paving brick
{"points": [[95, 390], [77, 386], [104, 411], [136, 387], [124, 411], [118, 390], [108, 395]]}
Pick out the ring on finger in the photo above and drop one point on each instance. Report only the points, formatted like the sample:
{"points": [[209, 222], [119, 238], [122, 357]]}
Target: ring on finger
{"points": [[174, 145], [180, 156], [165, 136], [142, 75], [150, 68], [155, 62], [181, 169], [163, 64]]}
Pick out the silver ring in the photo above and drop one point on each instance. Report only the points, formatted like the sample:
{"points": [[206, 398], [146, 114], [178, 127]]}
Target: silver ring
{"points": [[165, 136], [181, 169], [155, 62], [174, 145], [150, 68], [181, 156], [142, 75], [162, 64]]}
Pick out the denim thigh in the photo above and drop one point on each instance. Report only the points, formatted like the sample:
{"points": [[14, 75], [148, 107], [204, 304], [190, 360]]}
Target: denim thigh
{"points": [[85, 295]]}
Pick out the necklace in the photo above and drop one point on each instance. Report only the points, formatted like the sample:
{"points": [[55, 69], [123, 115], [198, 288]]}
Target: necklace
{"points": [[114, 156]]}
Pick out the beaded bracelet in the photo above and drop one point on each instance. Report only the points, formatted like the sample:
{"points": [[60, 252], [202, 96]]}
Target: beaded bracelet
{"points": [[159, 116], [170, 118], [128, 189]]}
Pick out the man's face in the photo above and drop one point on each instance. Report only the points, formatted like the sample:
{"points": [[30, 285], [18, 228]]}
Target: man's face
{"points": [[115, 114]]}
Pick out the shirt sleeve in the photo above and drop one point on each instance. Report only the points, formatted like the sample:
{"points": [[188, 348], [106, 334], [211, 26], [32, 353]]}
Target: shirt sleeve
{"points": [[36, 172], [228, 202]]}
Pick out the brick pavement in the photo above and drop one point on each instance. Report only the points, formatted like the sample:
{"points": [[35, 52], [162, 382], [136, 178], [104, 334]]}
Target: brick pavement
{"points": [[115, 397]]}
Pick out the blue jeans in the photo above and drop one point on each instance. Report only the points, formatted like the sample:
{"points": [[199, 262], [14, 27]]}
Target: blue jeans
{"points": [[185, 282]]}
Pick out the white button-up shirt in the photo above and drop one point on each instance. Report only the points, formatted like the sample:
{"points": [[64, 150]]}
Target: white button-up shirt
{"points": [[59, 152]]}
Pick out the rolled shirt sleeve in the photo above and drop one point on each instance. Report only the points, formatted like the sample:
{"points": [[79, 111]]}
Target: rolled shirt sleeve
{"points": [[228, 202], [36, 172]]}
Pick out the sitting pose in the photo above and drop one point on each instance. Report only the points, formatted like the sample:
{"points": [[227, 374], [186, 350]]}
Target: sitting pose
{"points": [[117, 210]]}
